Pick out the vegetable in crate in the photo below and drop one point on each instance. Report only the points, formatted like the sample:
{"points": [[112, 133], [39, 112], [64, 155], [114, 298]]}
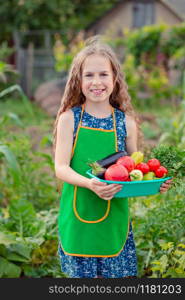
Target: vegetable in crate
{"points": [[149, 176], [111, 159], [97, 170], [136, 175], [99, 167], [173, 159], [161, 172], [137, 157], [127, 162], [153, 164], [143, 167], [116, 173]]}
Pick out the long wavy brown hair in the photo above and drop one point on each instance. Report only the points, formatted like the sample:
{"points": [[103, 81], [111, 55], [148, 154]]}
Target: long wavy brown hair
{"points": [[73, 95]]}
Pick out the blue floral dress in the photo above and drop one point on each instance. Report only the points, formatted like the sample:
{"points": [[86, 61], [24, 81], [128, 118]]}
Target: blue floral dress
{"points": [[125, 264]]}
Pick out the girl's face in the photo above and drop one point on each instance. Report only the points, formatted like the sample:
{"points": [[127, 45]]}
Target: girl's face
{"points": [[97, 78]]}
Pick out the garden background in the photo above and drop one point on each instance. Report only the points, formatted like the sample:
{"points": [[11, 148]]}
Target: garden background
{"points": [[153, 60]]}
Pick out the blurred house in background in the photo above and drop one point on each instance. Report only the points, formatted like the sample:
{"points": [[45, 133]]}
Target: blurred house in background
{"points": [[36, 63], [137, 13]]}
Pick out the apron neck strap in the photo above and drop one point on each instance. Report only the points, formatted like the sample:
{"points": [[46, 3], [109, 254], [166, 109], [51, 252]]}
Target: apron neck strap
{"points": [[80, 124]]}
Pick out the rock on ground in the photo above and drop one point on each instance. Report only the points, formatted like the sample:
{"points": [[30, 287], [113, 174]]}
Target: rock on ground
{"points": [[48, 95]]}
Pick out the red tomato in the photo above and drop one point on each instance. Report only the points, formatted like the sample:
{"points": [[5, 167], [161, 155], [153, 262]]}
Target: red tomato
{"points": [[161, 171], [153, 164], [116, 172], [143, 167], [127, 162]]}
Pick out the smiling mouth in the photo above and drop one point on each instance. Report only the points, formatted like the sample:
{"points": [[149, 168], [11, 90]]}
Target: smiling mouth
{"points": [[97, 91]]}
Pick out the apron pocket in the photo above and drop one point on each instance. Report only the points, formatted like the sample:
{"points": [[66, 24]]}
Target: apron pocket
{"points": [[88, 207]]}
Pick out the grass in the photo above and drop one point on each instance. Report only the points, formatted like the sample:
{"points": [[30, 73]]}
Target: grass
{"points": [[16, 106]]}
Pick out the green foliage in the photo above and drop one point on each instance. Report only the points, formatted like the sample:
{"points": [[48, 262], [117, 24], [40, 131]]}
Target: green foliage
{"points": [[173, 159], [13, 112], [155, 43], [23, 216], [31, 181], [147, 85], [61, 15], [132, 77], [171, 263], [8, 269], [144, 41], [5, 51], [174, 40], [149, 132], [64, 55], [8, 75], [11, 117], [174, 128], [25, 100], [23, 230], [25, 170], [13, 165], [28, 242], [151, 53], [156, 219], [49, 268], [5, 69]]}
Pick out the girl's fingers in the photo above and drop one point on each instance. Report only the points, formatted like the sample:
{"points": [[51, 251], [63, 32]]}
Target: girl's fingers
{"points": [[169, 182], [165, 187], [163, 191], [112, 187], [111, 193]]}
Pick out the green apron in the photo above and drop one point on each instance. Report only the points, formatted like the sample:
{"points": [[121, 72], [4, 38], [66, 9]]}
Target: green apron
{"points": [[89, 225]]}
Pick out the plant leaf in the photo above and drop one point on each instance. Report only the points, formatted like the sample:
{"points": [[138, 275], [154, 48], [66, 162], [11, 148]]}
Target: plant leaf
{"points": [[8, 269], [12, 163]]}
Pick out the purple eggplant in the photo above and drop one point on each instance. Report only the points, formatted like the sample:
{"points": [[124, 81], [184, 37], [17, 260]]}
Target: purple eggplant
{"points": [[99, 167], [111, 159]]}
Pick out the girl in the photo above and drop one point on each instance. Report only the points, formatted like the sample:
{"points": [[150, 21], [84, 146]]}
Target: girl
{"points": [[95, 119]]}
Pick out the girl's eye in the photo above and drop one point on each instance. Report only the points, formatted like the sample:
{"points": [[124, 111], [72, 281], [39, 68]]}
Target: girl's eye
{"points": [[90, 75]]}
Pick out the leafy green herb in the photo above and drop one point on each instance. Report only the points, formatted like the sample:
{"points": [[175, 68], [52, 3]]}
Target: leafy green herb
{"points": [[173, 159]]}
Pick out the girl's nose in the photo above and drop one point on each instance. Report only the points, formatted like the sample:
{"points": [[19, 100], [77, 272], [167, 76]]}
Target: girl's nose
{"points": [[96, 79]]}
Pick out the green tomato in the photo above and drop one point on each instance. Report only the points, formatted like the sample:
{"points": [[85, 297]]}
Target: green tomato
{"points": [[136, 175], [149, 176]]}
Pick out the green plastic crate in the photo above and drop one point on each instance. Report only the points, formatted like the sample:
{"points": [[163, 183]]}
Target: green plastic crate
{"points": [[135, 188]]}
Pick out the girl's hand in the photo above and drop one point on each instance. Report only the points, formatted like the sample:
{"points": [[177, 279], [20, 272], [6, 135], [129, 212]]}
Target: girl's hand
{"points": [[165, 186], [104, 190]]}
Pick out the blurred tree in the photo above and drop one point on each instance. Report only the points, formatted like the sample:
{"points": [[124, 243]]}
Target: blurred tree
{"points": [[69, 16]]}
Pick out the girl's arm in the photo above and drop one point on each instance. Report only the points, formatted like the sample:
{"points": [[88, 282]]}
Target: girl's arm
{"points": [[132, 135], [64, 144], [64, 172]]}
